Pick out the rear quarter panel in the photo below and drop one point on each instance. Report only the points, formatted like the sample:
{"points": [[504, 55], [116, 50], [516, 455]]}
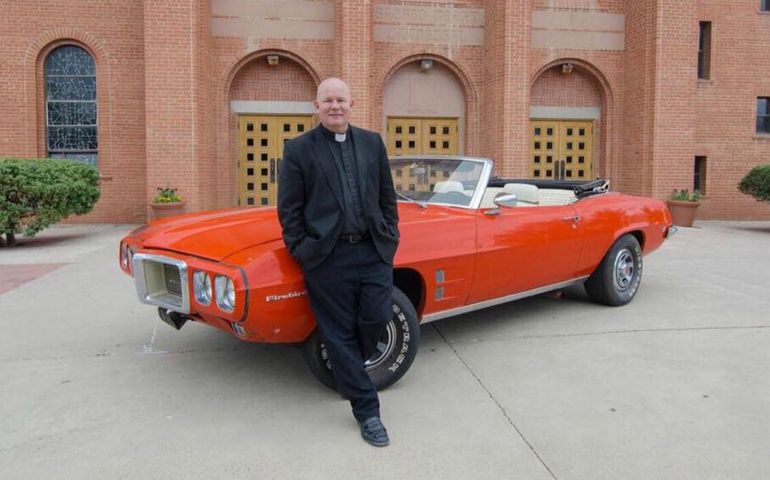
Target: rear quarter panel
{"points": [[605, 218]]}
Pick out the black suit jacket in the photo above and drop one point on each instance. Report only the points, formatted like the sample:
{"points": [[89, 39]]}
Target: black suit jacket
{"points": [[310, 202]]}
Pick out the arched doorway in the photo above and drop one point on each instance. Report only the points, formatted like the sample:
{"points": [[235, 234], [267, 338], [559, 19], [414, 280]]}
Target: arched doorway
{"points": [[424, 110], [566, 119], [271, 102]]}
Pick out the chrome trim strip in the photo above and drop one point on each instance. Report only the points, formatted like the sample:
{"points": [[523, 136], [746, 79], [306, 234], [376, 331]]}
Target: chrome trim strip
{"points": [[137, 266], [498, 301]]}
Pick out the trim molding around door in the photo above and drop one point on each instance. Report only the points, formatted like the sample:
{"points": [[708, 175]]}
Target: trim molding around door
{"points": [[271, 108], [565, 113]]}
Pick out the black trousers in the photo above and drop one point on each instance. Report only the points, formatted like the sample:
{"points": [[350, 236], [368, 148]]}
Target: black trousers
{"points": [[351, 296]]}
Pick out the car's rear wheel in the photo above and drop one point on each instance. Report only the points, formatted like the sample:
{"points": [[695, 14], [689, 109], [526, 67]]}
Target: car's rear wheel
{"points": [[396, 349], [617, 278]]}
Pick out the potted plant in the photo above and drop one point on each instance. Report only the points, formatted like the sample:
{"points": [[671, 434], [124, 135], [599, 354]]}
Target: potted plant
{"points": [[167, 203], [683, 205]]}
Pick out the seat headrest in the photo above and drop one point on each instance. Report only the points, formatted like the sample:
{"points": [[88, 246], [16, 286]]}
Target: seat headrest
{"points": [[448, 186]]}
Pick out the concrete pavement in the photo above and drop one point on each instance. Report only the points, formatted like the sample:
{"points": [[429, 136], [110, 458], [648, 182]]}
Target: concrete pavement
{"points": [[673, 385]]}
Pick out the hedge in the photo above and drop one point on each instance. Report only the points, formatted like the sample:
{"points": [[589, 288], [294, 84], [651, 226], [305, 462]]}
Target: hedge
{"points": [[757, 183], [35, 194]]}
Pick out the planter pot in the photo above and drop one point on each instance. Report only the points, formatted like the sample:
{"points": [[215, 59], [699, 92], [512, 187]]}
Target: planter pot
{"points": [[682, 213], [163, 210]]}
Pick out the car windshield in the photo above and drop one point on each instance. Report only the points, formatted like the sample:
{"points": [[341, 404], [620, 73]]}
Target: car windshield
{"points": [[443, 181]]}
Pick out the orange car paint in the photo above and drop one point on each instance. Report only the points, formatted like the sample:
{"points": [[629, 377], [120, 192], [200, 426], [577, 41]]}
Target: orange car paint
{"points": [[482, 256]]}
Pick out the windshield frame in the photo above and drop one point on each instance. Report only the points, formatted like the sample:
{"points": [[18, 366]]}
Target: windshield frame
{"points": [[486, 172]]}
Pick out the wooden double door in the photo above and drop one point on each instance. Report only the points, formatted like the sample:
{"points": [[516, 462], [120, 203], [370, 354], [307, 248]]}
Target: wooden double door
{"points": [[422, 136], [260, 149], [561, 149]]}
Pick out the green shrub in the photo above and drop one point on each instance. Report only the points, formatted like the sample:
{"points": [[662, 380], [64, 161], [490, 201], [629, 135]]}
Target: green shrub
{"points": [[35, 194], [685, 195], [757, 183]]}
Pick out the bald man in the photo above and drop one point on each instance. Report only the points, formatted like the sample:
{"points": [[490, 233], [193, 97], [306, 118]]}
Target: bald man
{"points": [[337, 207]]}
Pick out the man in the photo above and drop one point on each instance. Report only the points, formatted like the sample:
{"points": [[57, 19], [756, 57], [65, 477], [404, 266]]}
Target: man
{"points": [[337, 207]]}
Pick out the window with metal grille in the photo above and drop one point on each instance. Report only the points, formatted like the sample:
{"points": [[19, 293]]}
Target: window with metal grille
{"points": [[704, 51], [70, 105], [763, 115], [699, 175]]}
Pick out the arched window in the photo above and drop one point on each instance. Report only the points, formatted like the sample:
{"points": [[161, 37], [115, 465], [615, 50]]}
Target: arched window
{"points": [[70, 104]]}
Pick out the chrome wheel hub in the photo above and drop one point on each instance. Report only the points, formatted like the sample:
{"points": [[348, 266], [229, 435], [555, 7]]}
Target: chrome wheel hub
{"points": [[385, 347], [625, 270]]}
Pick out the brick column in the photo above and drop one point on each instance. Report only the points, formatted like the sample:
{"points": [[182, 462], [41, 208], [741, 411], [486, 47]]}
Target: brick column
{"points": [[505, 123], [354, 48], [659, 99], [676, 90], [176, 55]]}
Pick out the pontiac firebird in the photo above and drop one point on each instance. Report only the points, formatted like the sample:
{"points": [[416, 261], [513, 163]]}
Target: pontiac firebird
{"points": [[468, 241]]}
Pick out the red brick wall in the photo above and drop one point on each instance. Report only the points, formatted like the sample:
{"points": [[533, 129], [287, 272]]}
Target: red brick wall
{"points": [[171, 100], [286, 82], [576, 89], [206, 177], [108, 30], [607, 6], [507, 84], [638, 94], [674, 110], [164, 87], [726, 107]]}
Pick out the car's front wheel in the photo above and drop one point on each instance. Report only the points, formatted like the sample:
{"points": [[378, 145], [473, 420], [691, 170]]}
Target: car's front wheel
{"points": [[396, 349], [617, 278]]}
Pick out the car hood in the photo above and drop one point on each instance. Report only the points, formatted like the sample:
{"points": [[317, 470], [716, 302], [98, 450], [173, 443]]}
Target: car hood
{"points": [[214, 235]]}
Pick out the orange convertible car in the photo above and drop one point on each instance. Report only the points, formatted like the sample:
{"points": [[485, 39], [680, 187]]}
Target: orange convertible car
{"points": [[467, 242]]}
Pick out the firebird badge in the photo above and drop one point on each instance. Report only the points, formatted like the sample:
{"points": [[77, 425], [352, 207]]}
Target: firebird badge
{"points": [[285, 296]]}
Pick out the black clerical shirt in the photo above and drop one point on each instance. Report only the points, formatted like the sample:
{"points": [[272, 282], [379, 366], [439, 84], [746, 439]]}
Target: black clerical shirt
{"points": [[345, 160]]}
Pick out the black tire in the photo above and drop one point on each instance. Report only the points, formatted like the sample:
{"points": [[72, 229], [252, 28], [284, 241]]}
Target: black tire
{"points": [[398, 348], [617, 278]]}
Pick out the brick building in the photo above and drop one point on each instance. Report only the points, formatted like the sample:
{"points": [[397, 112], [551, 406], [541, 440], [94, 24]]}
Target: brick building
{"points": [[201, 94]]}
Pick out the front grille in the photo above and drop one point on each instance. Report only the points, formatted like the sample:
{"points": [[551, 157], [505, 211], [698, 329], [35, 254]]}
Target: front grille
{"points": [[172, 280], [162, 281]]}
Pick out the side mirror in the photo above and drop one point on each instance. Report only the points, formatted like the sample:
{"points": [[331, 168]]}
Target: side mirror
{"points": [[508, 201]]}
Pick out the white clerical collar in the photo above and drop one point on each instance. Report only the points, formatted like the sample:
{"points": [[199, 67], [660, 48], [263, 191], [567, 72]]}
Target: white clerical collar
{"points": [[340, 137]]}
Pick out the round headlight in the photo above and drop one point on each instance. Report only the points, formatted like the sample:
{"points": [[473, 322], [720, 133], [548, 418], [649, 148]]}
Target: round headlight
{"points": [[225, 291], [130, 256], [202, 287], [230, 289], [124, 256]]}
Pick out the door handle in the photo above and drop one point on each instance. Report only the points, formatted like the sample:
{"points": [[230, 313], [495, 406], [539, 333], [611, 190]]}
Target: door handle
{"points": [[573, 218]]}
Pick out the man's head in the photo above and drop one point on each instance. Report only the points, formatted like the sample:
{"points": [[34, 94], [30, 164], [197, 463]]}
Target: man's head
{"points": [[333, 104]]}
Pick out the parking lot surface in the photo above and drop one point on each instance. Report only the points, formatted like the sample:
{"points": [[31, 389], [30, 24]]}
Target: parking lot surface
{"points": [[672, 386]]}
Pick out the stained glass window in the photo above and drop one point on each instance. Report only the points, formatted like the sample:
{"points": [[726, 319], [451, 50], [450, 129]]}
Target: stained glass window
{"points": [[70, 101]]}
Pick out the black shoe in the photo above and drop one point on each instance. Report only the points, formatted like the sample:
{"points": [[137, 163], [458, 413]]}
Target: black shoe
{"points": [[374, 433]]}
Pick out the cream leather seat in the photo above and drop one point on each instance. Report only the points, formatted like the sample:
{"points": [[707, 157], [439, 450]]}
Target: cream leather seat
{"points": [[526, 195], [555, 196], [448, 186]]}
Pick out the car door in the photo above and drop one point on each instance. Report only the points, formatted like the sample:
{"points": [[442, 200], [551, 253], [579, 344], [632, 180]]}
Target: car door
{"points": [[523, 248]]}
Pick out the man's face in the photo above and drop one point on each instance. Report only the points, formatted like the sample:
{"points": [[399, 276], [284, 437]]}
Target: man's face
{"points": [[333, 105]]}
